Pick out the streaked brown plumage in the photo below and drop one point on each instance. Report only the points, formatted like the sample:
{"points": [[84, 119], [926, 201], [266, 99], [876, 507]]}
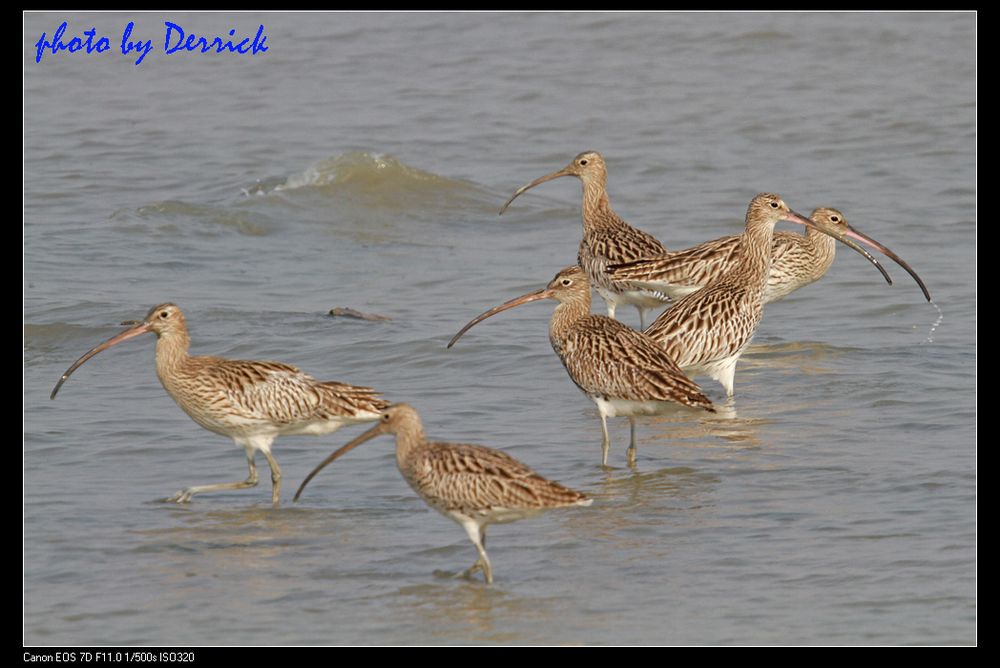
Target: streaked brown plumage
{"points": [[797, 260], [607, 239], [708, 330], [472, 484], [251, 402], [622, 370]]}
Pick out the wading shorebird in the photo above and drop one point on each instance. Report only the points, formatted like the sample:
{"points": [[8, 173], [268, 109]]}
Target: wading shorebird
{"points": [[708, 330], [796, 261], [250, 402], [472, 484], [623, 371], [607, 239]]}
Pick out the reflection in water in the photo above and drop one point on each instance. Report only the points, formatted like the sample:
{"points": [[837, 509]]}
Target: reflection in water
{"points": [[681, 484], [803, 357], [735, 430], [798, 358], [680, 426], [725, 424], [634, 513], [461, 609], [251, 542]]}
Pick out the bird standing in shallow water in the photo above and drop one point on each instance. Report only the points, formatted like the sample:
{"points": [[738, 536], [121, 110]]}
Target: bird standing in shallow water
{"points": [[796, 260], [708, 330], [607, 239], [250, 402], [622, 370], [473, 485]]}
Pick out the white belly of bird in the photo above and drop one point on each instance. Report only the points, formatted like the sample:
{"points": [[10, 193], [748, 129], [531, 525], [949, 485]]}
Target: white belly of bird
{"points": [[319, 428], [626, 407], [666, 289], [235, 424], [722, 370], [634, 297], [492, 515]]}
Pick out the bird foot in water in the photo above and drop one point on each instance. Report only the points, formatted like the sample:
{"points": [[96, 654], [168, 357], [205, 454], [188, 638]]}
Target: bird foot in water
{"points": [[468, 573], [183, 496]]}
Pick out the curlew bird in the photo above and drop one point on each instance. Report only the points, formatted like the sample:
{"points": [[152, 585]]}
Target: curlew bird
{"points": [[708, 330], [796, 260], [623, 371], [472, 484], [250, 402], [607, 239]]}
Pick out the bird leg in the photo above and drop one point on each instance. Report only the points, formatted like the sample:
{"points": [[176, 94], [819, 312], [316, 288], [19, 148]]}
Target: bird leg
{"points": [[726, 377], [606, 442], [477, 535], [642, 317], [185, 494], [631, 452], [275, 477]]}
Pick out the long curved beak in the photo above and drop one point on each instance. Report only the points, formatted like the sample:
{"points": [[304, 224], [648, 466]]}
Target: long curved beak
{"points": [[548, 177], [544, 293], [854, 234], [141, 328], [368, 435], [838, 234]]}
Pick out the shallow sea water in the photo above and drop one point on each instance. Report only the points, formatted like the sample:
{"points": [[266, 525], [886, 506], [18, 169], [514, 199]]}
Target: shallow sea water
{"points": [[361, 163]]}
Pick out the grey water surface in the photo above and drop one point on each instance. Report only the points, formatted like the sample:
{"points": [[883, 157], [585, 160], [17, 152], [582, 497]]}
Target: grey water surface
{"points": [[360, 162]]}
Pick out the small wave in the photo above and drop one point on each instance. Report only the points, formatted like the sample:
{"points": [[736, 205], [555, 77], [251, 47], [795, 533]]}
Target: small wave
{"points": [[365, 169], [44, 343], [379, 179], [261, 187], [47, 336], [172, 215]]}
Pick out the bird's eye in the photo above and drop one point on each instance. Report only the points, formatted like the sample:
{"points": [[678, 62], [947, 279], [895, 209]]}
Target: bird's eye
{"points": [[835, 219], [164, 315], [773, 205], [566, 281], [385, 417], [583, 162]]}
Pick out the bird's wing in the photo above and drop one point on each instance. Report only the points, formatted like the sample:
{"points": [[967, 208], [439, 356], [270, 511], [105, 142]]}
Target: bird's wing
{"points": [[711, 324], [607, 358], [696, 266], [787, 246], [458, 477], [622, 243], [284, 395]]}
